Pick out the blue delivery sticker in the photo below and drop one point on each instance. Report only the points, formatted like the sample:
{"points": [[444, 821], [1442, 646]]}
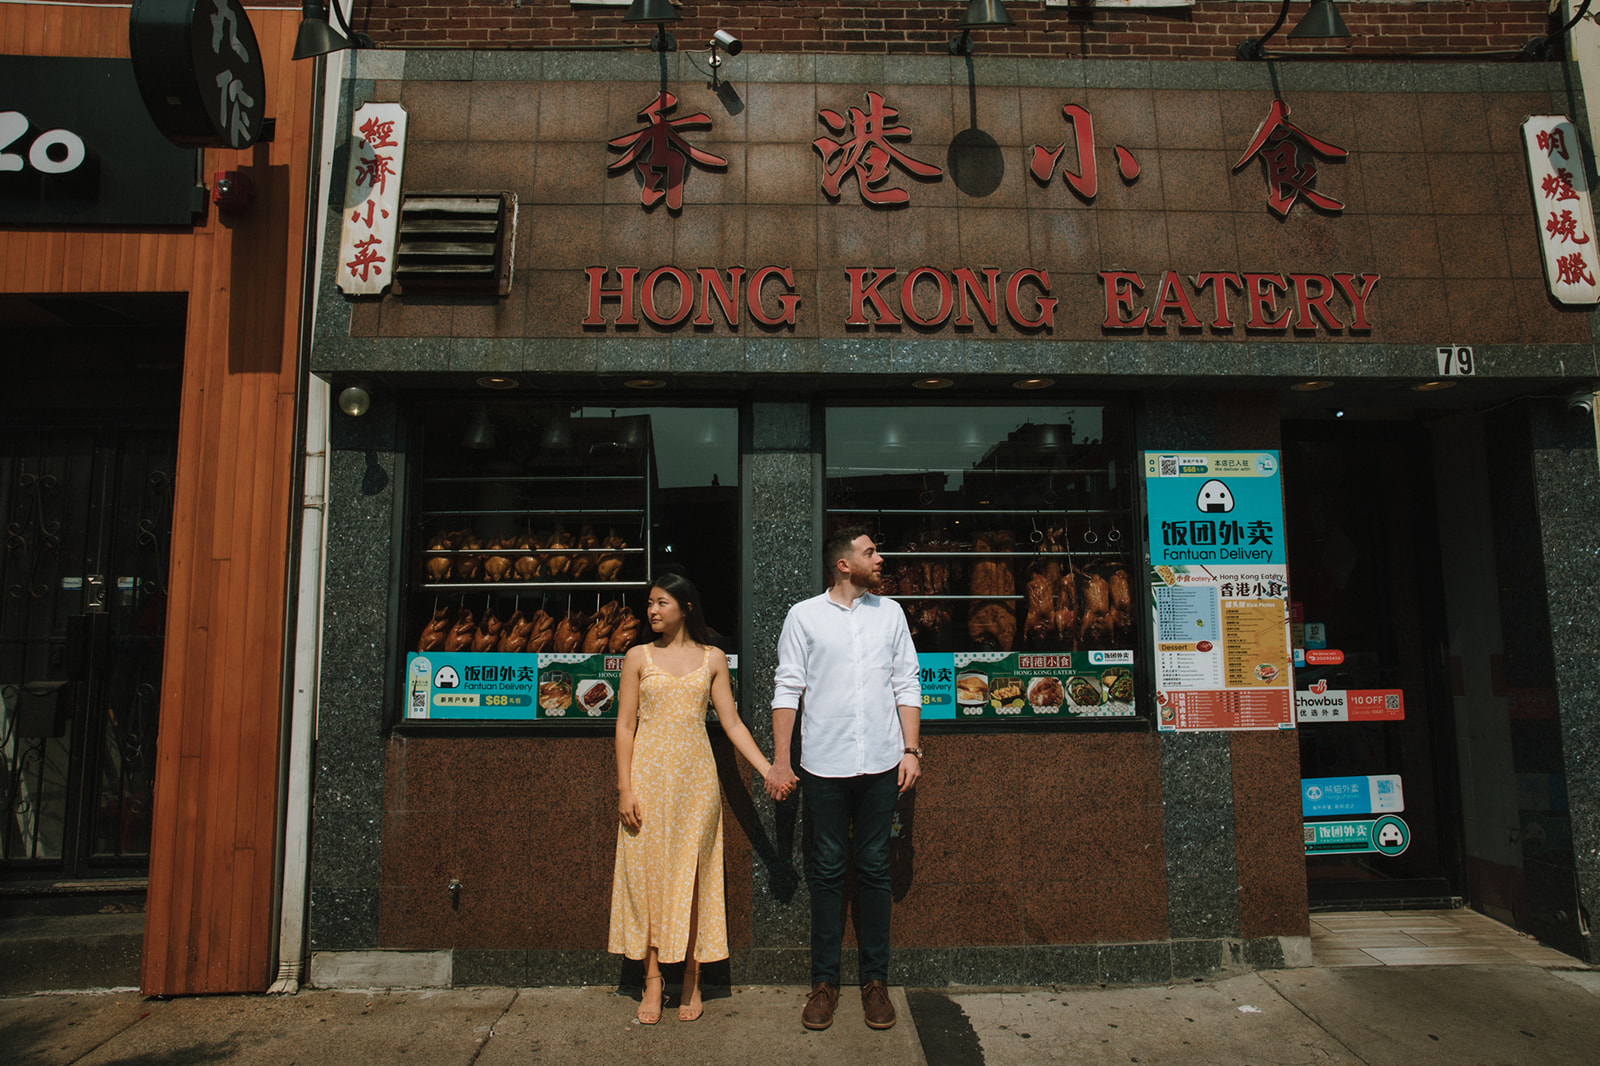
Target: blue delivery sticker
{"points": [[1326, 797]]}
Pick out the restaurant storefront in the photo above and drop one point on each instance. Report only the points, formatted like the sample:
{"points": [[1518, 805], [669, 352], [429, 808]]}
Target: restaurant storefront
{"points": [[1214, 420], [151, 324]]}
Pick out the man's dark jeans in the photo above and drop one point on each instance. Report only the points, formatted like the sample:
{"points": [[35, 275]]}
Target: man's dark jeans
{"points": [[849, 814]]}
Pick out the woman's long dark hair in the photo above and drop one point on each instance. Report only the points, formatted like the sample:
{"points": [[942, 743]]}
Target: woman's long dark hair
{"points": [[682, 589]]}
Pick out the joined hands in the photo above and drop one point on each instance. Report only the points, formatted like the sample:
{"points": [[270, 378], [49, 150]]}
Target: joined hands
{"points": [[781, 781]]}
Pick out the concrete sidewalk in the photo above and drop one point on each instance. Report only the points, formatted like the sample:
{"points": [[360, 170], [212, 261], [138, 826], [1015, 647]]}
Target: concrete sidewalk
{"points": [[1379, 1015]]}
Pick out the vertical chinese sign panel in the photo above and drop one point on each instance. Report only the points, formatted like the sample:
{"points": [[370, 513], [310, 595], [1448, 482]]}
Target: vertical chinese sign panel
{"points": [[1221, 590], [1562, 206], [372, 199]]}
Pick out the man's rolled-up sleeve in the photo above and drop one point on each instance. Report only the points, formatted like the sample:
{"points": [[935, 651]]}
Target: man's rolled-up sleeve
{"points": [[904, 674], [789, 680]]}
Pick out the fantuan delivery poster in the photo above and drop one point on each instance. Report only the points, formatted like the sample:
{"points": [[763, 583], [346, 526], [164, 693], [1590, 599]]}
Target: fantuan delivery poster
{"points": [[1220, 590]]}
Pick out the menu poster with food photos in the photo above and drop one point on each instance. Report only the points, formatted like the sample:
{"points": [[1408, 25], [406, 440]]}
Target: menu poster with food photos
{"points": [[964, 686], [569, 688], [1220, 590]]}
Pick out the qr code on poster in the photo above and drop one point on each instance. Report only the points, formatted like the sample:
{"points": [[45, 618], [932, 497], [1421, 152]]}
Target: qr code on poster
{"points": [[1167, 466], [1391, 702], [1311, 834]]}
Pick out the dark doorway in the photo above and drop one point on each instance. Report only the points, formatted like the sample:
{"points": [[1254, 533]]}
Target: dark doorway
{"points": [[86, 484], [1364, 572]]}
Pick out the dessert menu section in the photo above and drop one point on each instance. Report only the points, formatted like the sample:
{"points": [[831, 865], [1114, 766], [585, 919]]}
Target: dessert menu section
{"points": [[1220, 591]]}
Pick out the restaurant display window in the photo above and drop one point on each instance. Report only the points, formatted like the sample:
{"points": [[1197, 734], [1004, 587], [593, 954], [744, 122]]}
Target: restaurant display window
{"points": [[534, 532], [1009, 537]]}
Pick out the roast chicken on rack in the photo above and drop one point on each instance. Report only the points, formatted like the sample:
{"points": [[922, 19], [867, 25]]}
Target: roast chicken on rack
{"points": [[992, 624], [461, 555], [613, 628]]}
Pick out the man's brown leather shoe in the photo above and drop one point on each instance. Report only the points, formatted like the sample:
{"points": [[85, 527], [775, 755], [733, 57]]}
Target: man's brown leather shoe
{"points": [[820, 1004], [876, 1006]]}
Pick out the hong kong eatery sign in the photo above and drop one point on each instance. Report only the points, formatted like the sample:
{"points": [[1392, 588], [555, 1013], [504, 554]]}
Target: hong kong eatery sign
{"points": [[862, 148]]}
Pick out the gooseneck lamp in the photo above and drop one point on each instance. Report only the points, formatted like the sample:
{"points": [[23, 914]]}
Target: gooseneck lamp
{"points": [[980, 14], [660, 12], [316, 37], [1321, 21]]}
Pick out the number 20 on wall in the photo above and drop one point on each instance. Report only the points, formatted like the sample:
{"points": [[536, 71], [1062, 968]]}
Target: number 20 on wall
{"points": [[1456, 361], [52, 152]]}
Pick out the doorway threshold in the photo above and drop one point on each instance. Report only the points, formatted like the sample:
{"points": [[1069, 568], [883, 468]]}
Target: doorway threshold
{"points": [[1453, 937]]}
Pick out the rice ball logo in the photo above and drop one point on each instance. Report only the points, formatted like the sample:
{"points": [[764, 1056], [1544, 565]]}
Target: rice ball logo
{"points": [[1214, 498], [447, 678], [1314, 792]]}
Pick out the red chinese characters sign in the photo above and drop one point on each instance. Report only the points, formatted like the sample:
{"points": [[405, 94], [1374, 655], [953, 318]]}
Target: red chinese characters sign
{"points": [[1291, 172], [372, 199], [860, 149], [660, 154], [866, 144], [1563, 209]]}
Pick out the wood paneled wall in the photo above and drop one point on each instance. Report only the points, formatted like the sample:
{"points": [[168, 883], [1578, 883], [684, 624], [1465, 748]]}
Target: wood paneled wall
{"points": [[208, 925]]}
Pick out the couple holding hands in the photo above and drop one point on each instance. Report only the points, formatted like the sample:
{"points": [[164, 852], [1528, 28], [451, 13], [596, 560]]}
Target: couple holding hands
{"points": [[847, 669]]}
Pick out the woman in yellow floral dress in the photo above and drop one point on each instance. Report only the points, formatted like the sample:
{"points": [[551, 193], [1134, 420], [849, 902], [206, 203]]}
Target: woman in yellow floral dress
{"points": [[667, 895]]}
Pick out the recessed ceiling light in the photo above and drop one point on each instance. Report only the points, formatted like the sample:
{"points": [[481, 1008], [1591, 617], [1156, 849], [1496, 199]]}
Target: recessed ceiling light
{"points": [[1033, 383], [1311, 386], [490, 381], [645, 383], [1433, 386], [932, 383]]}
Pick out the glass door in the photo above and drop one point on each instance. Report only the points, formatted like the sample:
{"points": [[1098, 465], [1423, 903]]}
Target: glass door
{"points": [[83, 582], [1382, 827]]}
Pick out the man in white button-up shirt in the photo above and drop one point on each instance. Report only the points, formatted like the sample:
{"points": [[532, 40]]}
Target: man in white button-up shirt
{"points": [[846, 657]]}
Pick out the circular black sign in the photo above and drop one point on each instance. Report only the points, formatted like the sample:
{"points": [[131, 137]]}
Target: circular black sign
{"points": [[199, 70]]}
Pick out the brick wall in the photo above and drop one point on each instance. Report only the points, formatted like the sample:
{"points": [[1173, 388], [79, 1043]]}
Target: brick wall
{"points": [[1212, 29]]}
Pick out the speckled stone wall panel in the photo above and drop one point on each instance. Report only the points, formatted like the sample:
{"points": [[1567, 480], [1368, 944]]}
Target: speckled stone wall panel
{"points": [[1531, 480], [1268, 845], [1202, 875], [1042, 839], [347, 805], [526, 824], [780, 549], [1567, 479]]}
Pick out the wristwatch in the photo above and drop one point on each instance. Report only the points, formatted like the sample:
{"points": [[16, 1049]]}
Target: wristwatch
{"points": [[915, 751]]}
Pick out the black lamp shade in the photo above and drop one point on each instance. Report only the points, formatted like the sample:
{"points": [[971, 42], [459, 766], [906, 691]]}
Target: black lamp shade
{"points": [[983, 13], [316, 37], [1321, 21], [651, 11]]}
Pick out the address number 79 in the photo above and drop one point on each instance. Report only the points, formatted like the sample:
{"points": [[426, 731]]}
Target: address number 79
{"points": [[1456, 361]]}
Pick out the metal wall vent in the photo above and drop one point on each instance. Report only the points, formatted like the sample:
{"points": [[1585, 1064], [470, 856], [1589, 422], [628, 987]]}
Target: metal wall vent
{"points": [[456, 242]]}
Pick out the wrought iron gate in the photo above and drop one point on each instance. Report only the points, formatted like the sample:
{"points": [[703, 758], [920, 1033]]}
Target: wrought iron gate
{"points": [[83, 586]]}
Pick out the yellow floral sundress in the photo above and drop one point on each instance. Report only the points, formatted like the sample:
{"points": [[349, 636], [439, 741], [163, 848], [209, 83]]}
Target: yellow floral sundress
{"points": [[680, 840]]}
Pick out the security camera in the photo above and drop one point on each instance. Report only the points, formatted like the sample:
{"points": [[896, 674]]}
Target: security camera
{"points": [[1580, 402], [727, 42]]}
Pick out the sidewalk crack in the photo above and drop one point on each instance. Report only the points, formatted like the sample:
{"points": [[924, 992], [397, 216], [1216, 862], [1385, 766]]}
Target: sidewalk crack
{"points": [[512, 1002], [1320, 1027]]}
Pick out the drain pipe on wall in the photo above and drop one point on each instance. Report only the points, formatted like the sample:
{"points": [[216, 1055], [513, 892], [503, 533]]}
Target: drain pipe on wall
{"points": [[303, 709], [300, 722]]}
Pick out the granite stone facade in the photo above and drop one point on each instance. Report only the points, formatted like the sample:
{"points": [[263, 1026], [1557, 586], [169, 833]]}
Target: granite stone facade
{"points": [[1052, 856]]}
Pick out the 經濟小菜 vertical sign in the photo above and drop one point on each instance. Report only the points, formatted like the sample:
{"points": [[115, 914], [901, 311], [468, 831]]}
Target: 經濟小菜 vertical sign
{"points": [[1220, 590], [372, 199], [1562, 208], [570, 687]]}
